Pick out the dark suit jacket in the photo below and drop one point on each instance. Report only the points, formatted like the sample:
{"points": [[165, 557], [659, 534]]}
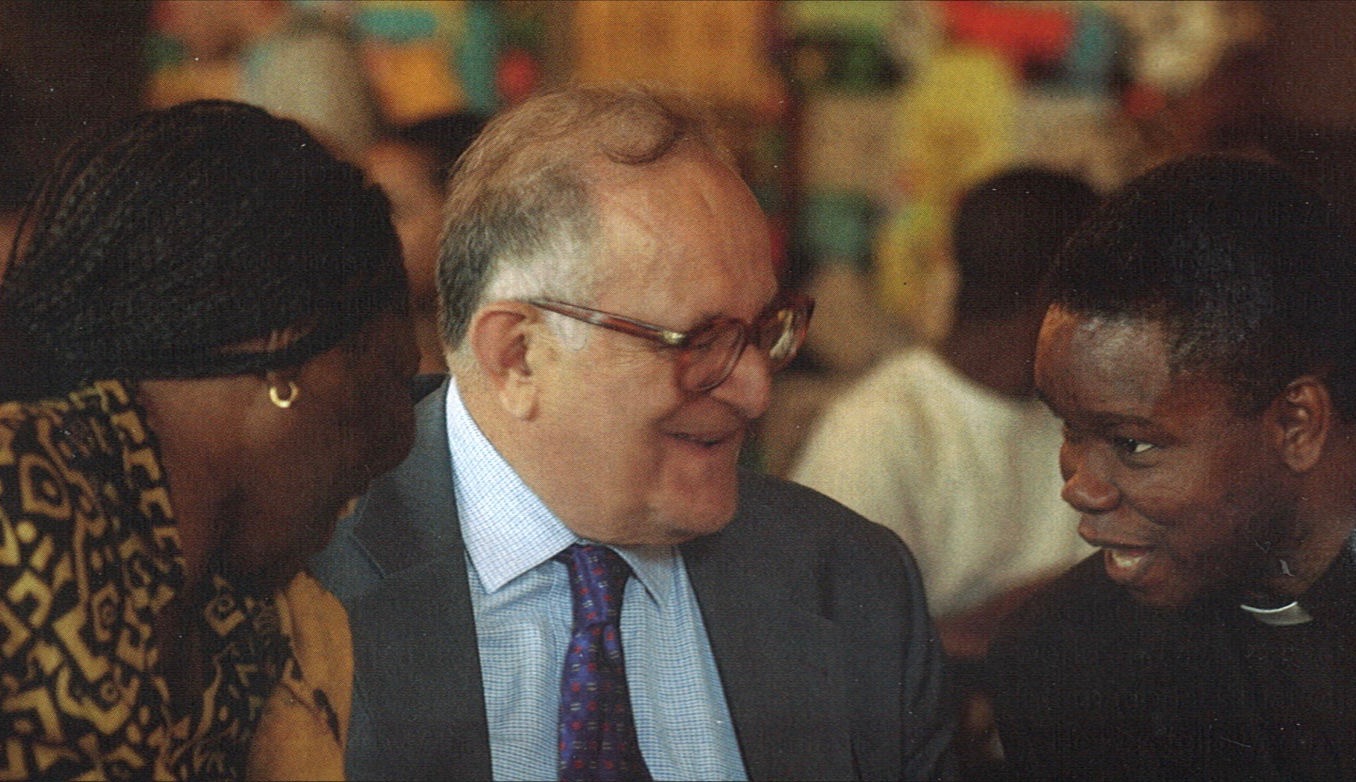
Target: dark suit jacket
{"points": [[816, 619]]}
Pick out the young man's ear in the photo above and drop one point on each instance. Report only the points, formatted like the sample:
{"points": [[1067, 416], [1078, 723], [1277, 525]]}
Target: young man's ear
{"points": [[1303, 418], [504, 338]]}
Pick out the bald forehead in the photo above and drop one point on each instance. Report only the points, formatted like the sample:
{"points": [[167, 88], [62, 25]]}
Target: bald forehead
{"points": [[688, 216], [664, 203]]}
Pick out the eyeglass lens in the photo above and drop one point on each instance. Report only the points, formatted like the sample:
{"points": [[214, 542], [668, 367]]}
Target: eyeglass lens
{"points": [[710, 357]]}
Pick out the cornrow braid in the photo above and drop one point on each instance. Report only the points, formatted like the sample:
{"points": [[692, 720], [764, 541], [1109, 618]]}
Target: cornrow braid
{"points": [[161, 244]]}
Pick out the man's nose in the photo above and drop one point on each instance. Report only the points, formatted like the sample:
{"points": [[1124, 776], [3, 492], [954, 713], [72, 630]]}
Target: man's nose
{"points": [[1085, 485], [749, 386]]}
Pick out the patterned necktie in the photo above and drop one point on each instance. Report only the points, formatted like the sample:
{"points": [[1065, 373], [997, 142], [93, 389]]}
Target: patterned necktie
{"points": [[597, 731]]}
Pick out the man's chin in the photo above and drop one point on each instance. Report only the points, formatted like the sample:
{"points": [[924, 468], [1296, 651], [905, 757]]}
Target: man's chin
{"points": [[1174, 598], [691, 526]]}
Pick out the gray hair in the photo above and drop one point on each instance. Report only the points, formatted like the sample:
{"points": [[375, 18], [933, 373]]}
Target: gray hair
{"points": [[521, 220]]}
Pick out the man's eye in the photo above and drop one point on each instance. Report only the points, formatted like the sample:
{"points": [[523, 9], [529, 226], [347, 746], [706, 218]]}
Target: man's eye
{"points": [[702, 338], [1131, 446]]}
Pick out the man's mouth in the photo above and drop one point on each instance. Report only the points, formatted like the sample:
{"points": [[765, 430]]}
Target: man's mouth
{"points": [[1126, 558], [707, 439], [1127, 562]]}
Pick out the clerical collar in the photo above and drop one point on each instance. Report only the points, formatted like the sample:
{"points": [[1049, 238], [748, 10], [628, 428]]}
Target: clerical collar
{"points": [[1331, 598], [1285, 616]]}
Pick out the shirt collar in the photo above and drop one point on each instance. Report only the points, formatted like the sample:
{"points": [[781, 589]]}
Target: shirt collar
{"points": [[506, 527], [1332, 597]]}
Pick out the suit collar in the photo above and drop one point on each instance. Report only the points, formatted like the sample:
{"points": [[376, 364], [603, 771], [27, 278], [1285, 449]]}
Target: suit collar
{"points": [[409, 528], [780, 663], [414, 502]]}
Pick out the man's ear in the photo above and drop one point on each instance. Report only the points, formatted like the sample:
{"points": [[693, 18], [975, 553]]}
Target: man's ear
{"points": [[505, 338], [1302, 417]]}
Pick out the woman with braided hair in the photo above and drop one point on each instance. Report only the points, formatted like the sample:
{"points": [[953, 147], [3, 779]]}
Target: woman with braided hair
{"points": [[206, 355]]}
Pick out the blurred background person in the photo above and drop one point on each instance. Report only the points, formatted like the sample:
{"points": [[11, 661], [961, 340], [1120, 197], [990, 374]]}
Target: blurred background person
{"points": [[207, 355], [411, 166], [15, 172], [295, 62], [949, 447]]}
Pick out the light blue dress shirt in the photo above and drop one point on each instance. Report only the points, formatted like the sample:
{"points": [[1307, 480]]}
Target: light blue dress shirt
{"points": [[521, 600]]}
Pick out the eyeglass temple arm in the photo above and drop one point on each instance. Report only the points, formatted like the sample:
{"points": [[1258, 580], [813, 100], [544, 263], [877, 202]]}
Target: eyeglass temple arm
{"points": [[607, 320]]}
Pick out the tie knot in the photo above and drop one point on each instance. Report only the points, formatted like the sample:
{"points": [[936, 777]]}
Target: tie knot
{"points": [[597, 581]]}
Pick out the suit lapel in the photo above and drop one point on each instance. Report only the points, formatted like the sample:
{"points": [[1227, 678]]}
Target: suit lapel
{"points": [[420, 656], [779, 663]]}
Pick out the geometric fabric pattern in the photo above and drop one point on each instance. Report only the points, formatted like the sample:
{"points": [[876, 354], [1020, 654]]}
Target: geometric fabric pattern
{"points": [[89, 558], [597, 729]]}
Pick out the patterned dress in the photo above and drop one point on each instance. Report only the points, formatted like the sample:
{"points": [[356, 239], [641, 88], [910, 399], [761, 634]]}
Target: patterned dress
{"points": [[89, 555]]}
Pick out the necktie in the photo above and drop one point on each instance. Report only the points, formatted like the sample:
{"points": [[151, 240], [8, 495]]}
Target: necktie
{"points": [[597, 730]]}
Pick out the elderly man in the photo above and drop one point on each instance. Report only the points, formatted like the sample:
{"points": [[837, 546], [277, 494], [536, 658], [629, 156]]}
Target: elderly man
{"points": [[612, 321], [1200, 354]]}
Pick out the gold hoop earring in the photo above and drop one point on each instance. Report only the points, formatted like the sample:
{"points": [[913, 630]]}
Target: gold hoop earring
{"points": [[283, 402]]}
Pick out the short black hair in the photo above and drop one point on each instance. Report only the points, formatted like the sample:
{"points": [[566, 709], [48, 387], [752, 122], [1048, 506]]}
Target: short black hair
{"points": [[161, 243], [1006, 232], [1248, 269]]}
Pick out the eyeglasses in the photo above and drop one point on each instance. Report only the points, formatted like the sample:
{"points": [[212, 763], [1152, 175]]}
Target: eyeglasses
{"points": [[708, 353]]}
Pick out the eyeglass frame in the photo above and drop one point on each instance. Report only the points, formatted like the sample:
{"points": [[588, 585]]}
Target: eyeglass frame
{"points": [[677, 340]]}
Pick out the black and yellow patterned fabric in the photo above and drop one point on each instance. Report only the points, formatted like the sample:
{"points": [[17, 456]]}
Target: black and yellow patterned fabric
{"points": [[89, 554]]}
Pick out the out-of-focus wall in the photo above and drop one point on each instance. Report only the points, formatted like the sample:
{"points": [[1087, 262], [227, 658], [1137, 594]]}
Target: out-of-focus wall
{"points": [[65, 65], [1308, 63], [1299, 99], [69, 63]]}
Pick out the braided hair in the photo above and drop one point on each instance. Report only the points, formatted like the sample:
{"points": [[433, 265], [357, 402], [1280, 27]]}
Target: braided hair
{"points": [[161, 244]]}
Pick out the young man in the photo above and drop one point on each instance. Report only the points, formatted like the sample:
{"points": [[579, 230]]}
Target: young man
{"points": [[1199, 351], [764, 631]]}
